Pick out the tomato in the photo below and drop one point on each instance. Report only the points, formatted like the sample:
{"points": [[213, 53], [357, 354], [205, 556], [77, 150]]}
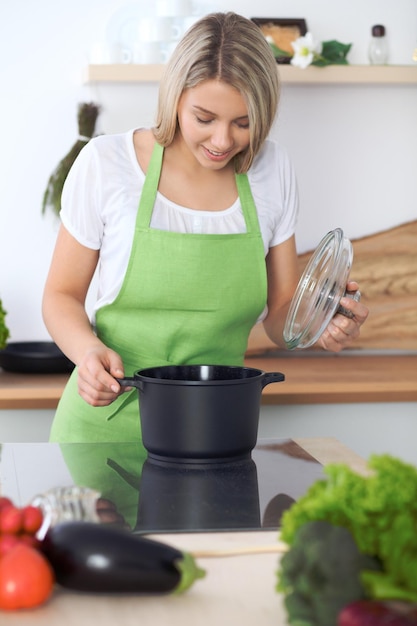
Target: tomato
{"points": [[26, 578], [11, 518], [4, 502], [32, 519], [7, 542]]}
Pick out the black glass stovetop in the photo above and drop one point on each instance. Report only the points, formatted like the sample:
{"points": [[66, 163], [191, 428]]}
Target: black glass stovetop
{"points": [[154, 496]]}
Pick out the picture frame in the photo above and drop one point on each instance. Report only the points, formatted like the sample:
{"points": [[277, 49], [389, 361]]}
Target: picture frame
{"points": [[283, 32]]}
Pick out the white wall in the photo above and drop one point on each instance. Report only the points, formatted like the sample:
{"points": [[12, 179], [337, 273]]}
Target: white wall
{"points": [[354, 147]]}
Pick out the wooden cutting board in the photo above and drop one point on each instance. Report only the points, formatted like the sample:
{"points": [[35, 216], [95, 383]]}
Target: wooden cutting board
{"points": [[385, 266]]}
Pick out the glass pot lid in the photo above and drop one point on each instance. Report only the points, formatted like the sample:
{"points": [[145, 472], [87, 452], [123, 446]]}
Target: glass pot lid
{"points": [[321, 286]]}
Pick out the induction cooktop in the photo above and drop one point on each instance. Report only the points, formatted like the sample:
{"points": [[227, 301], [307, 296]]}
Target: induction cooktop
{"points": [[158, 496]]}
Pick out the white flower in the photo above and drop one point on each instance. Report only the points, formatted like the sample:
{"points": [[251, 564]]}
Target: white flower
{"points": [[305, 50]]}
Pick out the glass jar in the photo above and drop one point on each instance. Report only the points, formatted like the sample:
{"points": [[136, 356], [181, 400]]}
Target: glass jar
{"points": [[378, 47]]}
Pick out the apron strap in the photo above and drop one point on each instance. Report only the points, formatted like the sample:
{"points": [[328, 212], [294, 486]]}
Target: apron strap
{"points": [[247, 203], [150, 190]]}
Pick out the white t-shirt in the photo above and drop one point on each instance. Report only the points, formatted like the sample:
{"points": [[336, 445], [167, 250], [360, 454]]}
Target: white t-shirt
{"points": [[101, 196]]}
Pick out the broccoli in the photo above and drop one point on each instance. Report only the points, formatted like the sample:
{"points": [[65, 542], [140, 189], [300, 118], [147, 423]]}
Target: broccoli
{"points": [[379, 510], [320, 574]]}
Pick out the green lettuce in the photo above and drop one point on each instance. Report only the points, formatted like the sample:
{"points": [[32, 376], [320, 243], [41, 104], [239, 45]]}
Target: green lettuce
{"points": [[380, 511]]}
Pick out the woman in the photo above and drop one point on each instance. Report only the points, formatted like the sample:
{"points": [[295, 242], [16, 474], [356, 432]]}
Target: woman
{"points": [[191, 226]]}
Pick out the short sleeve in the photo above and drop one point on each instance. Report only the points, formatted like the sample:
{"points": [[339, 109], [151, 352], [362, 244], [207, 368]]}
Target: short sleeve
{"points": [[81, 200], [274, 187], [289, 201]]}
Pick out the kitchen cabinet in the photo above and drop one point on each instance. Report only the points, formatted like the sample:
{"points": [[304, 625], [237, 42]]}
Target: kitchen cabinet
{"points": [[333, 74], [310, 378]]}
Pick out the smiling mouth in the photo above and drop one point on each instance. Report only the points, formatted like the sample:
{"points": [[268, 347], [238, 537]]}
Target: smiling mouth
{"points": [[217, 155]]}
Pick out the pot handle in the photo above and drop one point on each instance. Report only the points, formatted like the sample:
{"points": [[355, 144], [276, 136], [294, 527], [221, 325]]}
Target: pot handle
{"points": [[130, 381], [272, 377]]}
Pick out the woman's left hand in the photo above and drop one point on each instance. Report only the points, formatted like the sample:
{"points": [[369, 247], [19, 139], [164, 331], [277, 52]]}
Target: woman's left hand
{"points": [[342, 331]]}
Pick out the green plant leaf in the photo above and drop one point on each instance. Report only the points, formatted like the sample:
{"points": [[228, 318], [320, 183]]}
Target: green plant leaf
{"points": [[333, 53]]}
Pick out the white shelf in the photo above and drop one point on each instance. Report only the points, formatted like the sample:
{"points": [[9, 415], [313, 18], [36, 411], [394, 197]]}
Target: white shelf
{"points": [[333, 74], [350, 74]]}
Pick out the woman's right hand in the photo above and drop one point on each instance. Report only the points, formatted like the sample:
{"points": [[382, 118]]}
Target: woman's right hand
{"points": [[97, 373]]}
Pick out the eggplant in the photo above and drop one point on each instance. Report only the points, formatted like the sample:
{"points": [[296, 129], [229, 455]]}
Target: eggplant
{"points": [[86, 556]]}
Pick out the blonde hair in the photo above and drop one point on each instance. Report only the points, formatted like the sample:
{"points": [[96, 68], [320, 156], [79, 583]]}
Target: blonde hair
{"points": [[232, 49]]}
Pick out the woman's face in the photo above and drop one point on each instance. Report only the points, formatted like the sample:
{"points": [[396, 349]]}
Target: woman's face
{"points": [[213, 122]]}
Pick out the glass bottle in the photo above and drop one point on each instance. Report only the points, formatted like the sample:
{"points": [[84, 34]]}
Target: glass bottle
{"points": [[378, 47]]}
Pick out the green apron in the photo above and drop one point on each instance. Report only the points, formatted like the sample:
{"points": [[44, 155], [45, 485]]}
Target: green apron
{"points": [[185, 298]]}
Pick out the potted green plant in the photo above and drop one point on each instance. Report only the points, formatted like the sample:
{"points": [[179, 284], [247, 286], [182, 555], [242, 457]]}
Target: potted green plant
{"points": [[4, 331], [87, 117]]}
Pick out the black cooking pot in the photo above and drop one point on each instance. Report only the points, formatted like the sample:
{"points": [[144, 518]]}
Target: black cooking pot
{"points": [[195, 412]]}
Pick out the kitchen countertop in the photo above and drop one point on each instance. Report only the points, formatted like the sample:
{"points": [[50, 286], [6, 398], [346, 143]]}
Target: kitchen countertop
{"points": [[310, 379], [236, 589]]}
